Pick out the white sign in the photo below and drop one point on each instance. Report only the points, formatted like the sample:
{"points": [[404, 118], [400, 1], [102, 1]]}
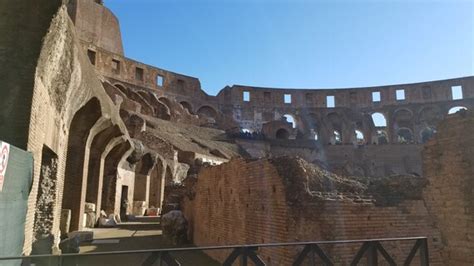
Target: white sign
{"points": [[4, 152]]}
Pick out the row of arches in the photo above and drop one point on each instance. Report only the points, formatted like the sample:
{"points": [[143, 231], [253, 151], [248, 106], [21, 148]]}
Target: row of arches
{"points": [[372, 128], [163, 107]]}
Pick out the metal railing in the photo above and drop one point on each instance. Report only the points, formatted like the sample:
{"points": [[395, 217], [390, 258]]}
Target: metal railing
{"points": [[371, 248]]}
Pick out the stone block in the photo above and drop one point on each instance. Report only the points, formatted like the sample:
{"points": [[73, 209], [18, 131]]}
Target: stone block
{"points": [[90, 219], [82, 235], [89, 207], [139, 208]]}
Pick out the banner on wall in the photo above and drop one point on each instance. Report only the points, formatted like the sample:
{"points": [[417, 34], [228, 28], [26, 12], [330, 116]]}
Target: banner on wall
{"points": [[16, 176], [4, 154]]}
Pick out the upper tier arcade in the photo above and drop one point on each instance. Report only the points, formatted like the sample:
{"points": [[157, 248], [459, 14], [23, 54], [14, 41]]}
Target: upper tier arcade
{"points": [[403, 113]]}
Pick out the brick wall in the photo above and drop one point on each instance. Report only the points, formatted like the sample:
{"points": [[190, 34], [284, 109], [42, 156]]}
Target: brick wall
{"points": [[449, 166], [246, 202]]}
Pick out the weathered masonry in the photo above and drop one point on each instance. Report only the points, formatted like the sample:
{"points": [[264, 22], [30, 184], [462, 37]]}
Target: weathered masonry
{"points": [[250, 165]]}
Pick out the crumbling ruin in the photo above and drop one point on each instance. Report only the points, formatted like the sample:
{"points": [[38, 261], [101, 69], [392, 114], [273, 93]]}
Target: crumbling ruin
{"points": [[258, 165]]}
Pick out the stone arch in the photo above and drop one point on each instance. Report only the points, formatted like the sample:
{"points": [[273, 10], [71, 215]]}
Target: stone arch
{"points": [[403, 115], [314, 126], [456, 109], [162, 111], [336, 128], [96, 163], [246, 130], [142, 178], [359, 137], [381, 137], [157, 184], [282, 134], [165, 101], [378, 128], [112, 160], [429, 115], [405, 135], [426, 134], [74, 182], [186, 105], [290, 119], [207, 111], [145, 106], [402, 119], [336, 138], [122, 88], [379, 119]]}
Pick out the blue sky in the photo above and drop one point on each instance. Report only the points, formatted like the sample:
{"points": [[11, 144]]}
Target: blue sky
{"points": [[301, 44]]}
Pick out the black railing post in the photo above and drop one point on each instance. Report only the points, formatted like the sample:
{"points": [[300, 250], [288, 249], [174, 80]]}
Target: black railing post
{"points": [[154, 256], [372, 258], [424, 256], [312, 257], [243, 257]]}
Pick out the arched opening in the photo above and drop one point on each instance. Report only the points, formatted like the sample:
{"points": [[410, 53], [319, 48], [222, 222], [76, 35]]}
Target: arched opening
{"points": [[121, 88], [187, 106], [379, 120], [96, 164], [157, 185], [427, 134], [456, 109], [109, 188], [141, 188], [74, 181], [207, 112], [430, 116], [403, 117], [359, 137], [337, 137], [314, 134], [290, 119], [404, 136], [381, 137], [162, 109], [336, 128], [312, 123], [282, 134]]}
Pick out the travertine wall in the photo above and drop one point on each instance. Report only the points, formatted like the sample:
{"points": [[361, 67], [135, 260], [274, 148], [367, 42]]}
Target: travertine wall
{"points": [[448, 163], [247, 202]]}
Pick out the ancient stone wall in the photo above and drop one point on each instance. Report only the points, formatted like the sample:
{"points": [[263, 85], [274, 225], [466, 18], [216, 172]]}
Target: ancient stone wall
{"points": [[358, 160], [96, 24], [251, 202], [63, 108], [448, 163]]}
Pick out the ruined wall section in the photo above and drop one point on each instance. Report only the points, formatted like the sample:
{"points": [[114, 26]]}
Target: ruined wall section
{"points": [[20, 48], [64, 82], [96, 24], [246, 202], [448, 163], [367, 160], [422, 106]]}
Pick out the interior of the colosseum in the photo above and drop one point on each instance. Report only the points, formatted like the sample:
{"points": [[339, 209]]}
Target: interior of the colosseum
{"points": [[250, 165]]}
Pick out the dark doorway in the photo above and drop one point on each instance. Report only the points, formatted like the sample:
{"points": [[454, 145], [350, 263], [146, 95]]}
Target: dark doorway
{"points": [[124, 203]]}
